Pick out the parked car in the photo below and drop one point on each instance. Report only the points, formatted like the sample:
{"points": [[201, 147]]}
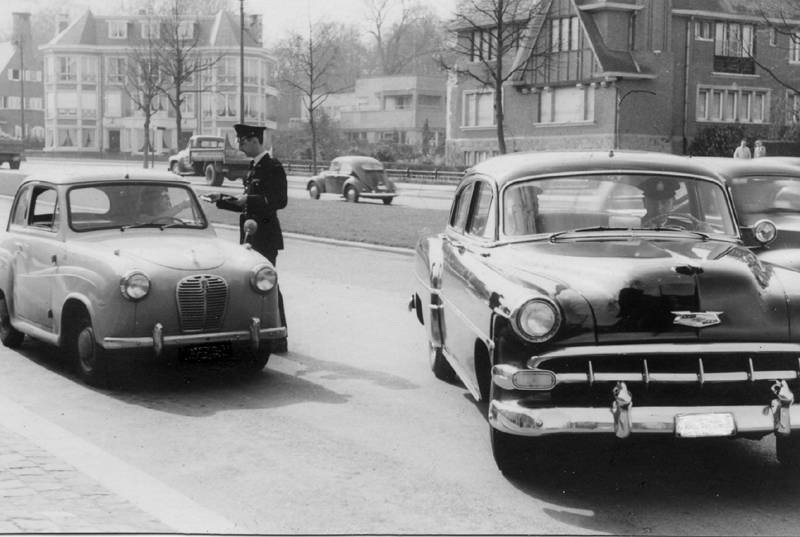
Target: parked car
{"points": [[104, 265], [573, 311], [210, 156], [12, 151], [354, 178], [765, 188]]}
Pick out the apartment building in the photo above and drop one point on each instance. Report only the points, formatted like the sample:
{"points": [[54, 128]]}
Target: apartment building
{"points": [[631, 74], [21, 87], [389, 108], [88, 103]]}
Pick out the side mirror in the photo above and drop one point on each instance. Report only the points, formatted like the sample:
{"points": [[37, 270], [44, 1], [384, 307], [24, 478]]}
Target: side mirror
{"points": [[764, 231], [250, 228]]}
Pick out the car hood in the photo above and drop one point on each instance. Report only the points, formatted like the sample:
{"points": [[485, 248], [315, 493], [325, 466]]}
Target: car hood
{"points": [[634, 287], [175, 252]]}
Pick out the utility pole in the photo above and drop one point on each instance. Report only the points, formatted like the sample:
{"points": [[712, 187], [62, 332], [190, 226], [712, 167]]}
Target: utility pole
{"points": [[241, 61]]}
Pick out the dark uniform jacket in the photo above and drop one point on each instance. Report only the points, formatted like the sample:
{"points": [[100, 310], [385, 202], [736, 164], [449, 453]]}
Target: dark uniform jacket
{"points": [[265, 188]]}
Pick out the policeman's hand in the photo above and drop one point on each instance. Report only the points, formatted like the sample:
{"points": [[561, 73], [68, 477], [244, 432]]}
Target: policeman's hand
{"points": [[212, 197], [241, 200]]}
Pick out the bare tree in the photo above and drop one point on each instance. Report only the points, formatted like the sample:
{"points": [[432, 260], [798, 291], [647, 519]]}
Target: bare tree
{"points": [[143, 82], [485, 35], [406, 35], [310, 68], [180, 56]]}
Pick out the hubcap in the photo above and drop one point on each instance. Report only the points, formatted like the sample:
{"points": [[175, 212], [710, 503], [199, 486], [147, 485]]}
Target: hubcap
{"points": [[86, 349], [313, 191]]}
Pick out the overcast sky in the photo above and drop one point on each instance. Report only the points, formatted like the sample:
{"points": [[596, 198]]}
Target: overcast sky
{"points": [[279, 15]]}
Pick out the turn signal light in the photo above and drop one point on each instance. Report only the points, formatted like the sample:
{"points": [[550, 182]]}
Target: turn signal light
{"points": [[534, 380]]}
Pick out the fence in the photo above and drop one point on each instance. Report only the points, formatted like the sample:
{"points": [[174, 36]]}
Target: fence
{"points": [[401, 174]]}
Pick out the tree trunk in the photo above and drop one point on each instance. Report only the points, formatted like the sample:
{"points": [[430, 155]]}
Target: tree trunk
{"points": [[178, 116], [313, 143], [146, 148], [498, 105]]}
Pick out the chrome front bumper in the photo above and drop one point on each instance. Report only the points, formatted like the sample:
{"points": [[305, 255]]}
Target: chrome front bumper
{"points": [[377, 195], [622, 418], [254, 334]]}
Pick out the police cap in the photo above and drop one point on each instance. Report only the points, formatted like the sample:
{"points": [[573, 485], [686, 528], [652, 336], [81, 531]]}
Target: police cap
{"points": [[243, 131], [659, 188]]}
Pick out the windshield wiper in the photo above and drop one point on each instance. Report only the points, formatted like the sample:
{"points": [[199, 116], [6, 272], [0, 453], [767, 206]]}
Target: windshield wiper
{"points": [[553, 236]]}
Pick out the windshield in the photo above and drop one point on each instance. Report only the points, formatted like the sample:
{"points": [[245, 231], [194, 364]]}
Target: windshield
{"points": [[125, 204], [756, 197], [615, 201]]}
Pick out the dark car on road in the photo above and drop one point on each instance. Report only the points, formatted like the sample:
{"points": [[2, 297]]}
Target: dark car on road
{"points": [[765, 189], [354, 178], [556, 296]]}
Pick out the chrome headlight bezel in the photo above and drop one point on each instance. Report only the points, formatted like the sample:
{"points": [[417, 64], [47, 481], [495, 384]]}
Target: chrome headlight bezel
{"points": [[263, 278], [764, 231], [134, 285], [549, 327]]}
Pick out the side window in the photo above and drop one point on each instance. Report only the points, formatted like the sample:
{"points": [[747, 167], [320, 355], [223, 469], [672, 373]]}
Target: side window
{"points": [[346, 169], [44, 208], [20, 212], [335, 165], [482, 224], [458, 218]]}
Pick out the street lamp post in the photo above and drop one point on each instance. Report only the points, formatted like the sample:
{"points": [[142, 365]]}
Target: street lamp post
{"points": [[19, 41]]}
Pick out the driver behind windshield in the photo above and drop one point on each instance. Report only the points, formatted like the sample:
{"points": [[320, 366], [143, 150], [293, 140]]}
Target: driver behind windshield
{"points": [[155, 204], [659, 204]]}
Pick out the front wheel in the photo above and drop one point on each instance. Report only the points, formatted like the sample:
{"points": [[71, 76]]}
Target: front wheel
{"points": [[176, 168], [313, 191], [14, 165], [387, 201], [255, 361], [9, 336], [213, 178], [90, 358], [351, 194], [508, 451]]}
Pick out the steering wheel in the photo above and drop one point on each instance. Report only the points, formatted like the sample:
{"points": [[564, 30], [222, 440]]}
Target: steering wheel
{"points": [[169, 219], [682, 218]]}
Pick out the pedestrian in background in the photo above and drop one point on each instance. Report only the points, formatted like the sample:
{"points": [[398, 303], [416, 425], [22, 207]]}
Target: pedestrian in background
{"points": [[265, 193], [759, 150], [742, 151]]}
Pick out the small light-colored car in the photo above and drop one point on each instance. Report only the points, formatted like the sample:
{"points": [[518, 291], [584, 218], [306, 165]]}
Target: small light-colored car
{"points": [[764, 189], [608, 293], [106, 265], [354, 178]]}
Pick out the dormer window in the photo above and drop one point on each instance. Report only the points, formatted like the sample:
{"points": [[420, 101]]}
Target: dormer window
{"points": [[117, 30], [151, 30]]}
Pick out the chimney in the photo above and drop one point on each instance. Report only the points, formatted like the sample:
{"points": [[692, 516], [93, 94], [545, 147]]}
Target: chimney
{"points": [[22, 28], [62, 22], [253, 25]]}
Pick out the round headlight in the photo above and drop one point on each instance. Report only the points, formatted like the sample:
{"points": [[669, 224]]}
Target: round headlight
{"points": [[537, 320], [134, 285], [764, 231], [263, 278]]}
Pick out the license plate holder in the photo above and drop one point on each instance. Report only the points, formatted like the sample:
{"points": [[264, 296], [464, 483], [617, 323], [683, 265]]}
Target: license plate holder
{"points": [[205, 352], [705, 425]]}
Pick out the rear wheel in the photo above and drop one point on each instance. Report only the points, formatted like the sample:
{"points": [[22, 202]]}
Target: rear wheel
{"points": [[441, 368], [387, 201], [351, 194], [213, 178], [787, 449], [9, 336], [176, 168], [313, 191], [90, 358]]}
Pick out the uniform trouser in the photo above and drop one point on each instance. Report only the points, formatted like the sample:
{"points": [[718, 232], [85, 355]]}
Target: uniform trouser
{"points": [[273, 258]]}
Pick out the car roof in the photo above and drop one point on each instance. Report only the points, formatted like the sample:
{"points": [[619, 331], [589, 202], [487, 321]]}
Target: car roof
{"points": [[73, 178], [730, 168], [358, 160], [513, 166]]}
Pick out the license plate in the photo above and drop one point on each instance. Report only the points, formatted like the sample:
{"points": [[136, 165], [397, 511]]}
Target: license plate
{"points": [[206, 352], [702, 425]]}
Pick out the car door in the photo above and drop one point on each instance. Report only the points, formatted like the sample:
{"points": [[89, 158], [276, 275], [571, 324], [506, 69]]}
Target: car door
{"points": [[35, 224]]}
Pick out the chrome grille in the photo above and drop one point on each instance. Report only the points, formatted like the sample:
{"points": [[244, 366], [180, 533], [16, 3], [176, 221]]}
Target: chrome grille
{"points": [[201, 302]]}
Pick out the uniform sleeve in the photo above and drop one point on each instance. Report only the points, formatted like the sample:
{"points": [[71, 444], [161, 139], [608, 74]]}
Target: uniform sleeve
{"points": [[272, 194], [228, 206]]}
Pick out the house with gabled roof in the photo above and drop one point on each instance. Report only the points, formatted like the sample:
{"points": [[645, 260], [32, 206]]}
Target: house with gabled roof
{"points": [[21, 87], [631, 74], [88, 107]]}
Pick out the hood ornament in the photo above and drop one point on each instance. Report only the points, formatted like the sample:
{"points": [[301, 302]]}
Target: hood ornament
{"points": [[700, 319]]}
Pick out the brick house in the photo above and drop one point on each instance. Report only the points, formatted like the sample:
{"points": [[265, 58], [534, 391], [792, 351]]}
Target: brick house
{"points": [[632, 74], [21, 83], [88, 110]]}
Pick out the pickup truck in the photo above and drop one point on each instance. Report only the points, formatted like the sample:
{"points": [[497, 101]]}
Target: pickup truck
{"points": [[11, 150], [212, 157]]}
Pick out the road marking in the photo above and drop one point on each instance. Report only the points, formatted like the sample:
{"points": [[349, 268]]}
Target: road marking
{"points": [[169, 506]]}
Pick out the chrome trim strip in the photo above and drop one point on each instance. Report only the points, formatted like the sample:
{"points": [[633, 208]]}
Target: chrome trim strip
{"points": [[377, 194], [114, 343]]}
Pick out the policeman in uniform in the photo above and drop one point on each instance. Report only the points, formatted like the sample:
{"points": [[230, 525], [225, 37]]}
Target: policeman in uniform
{"points": [[264, 194]]}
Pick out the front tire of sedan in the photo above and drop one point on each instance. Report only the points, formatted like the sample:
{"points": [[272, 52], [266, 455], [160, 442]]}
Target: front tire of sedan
{"points": [[90, 358], [9, 336], [787, 449], [256, 361], [441, 368], [351, 194], [509, 451]]}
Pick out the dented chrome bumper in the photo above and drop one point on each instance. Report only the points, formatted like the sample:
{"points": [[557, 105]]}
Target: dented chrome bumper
{"points": [[622, 418]]}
